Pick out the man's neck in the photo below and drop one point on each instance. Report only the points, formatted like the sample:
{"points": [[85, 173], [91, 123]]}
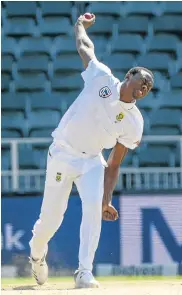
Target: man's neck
{"points": [[124, 96]]}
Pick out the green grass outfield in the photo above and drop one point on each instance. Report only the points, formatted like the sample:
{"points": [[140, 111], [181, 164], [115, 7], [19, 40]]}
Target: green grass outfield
{"points": [[22, 281]]}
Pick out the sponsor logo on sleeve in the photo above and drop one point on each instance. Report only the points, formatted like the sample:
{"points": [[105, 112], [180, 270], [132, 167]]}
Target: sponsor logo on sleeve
{"points": [[105, 92]]}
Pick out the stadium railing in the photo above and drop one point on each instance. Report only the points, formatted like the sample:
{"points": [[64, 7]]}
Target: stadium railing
{"points": [[131, 178]]}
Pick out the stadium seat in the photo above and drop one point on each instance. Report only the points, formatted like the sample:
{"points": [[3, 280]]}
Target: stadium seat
{"points": [[120, 61], [13, 102], [163, 43], [149, 103], [27, 158], [39, 120], [35, 63], [155, 61], [38, 133], [22, 8], [160, 81], [31, 82], [172, 7], [171, 100], [167, 24], [44, 100], [103, 26], [10, 134], [156, 130], [7, 61], [67, 63], [5, 82], [176, 80], [30, 45], [159, 157], [128, 43], [134, 24], [63, 83], [14, 123], [142, 8], [51, 8], [64, 45], [105, 8], [9, 46], [18, 27], [52, 26], [5, 159], [167, 118], [100, 44]]}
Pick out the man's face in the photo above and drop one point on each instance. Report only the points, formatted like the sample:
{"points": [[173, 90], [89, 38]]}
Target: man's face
{"points": [[138, 84]]}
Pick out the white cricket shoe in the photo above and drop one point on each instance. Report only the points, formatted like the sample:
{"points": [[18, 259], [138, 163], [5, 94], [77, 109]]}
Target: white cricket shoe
{"points": [[39, 269], [85, 279]]}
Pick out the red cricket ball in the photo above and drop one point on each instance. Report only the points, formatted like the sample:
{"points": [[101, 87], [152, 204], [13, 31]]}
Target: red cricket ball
{"points": [[88, 15]]}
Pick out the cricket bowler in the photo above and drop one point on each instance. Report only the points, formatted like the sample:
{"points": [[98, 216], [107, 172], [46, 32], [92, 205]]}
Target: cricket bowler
{"points": [[103, 116]]}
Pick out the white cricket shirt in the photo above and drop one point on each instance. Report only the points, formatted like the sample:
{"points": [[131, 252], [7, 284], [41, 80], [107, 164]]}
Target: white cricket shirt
{"points": [[97, 119]]}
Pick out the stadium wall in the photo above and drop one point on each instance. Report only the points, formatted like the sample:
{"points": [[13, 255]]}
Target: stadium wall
{"points": [[148, 233]]}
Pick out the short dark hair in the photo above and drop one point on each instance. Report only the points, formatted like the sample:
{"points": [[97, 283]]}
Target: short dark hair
{"points": [[149, 81]]}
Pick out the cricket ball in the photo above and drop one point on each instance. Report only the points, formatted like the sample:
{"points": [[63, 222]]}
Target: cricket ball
{"points": [[88, 15]]}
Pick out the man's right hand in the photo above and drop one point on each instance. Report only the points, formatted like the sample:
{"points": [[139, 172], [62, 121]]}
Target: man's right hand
{"points": [[109, 213], [86, 22]]}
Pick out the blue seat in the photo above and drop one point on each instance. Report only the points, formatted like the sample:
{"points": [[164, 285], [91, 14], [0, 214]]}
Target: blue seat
{"points": [[52, 26], [148, 103], [165, 130], [56, 8], [105, 8], [22, 8], [67, 63], [38, 120], [7, 61], [38, 133], [128, 43], [103, 26], [155, 61], [101, 45], [13, 102], [5, 82], [172, 7], [63, 83], [160, 81], [10, 134], [30, 45], [163, 43], [31, 82], [156, 157], [142, 8], [9, 46], [35, 63], [176, 80], [18, 27], [134, 24], [14, 123], [45, 100], [171, 100], [120, 61], [167, 24], [27, 158], [167, 118], [65, 45], [5, 160]]}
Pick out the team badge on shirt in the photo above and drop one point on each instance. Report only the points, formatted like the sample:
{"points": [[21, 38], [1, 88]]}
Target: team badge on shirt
{"points": [[120, 116], [105, 92], [58, 177]]}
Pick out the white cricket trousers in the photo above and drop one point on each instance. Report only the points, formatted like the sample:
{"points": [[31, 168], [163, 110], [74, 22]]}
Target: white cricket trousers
{"points": [[64, 168]]}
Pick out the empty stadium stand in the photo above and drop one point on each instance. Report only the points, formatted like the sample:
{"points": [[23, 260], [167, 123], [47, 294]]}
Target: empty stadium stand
{"points": [[41, 69]]}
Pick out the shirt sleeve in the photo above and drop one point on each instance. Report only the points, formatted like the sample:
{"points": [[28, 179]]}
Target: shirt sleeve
{"points": [[130, 142], [95, 69]]}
